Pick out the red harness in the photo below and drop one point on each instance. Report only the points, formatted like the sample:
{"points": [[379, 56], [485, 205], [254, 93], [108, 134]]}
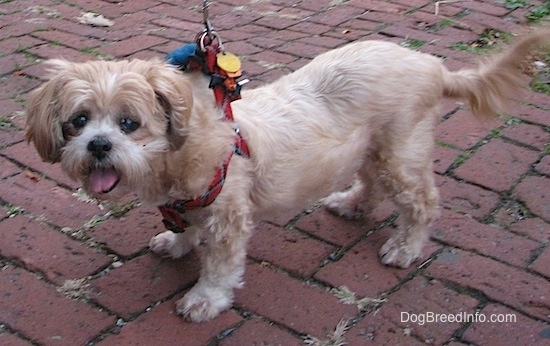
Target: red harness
{"points": [[226, 90]]}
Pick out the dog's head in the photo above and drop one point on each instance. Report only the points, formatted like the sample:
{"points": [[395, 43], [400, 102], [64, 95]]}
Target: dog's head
{"points": [[109, 123]]}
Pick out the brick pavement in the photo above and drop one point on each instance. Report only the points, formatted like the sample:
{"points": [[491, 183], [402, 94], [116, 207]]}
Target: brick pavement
{"points": [[73, 273]]}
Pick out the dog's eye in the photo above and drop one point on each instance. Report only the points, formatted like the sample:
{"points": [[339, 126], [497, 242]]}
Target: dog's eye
{"points": [[128, 125], [80, 120]]}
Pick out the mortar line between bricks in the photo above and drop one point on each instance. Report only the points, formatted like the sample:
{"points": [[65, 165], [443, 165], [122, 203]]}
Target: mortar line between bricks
{"points": [[482, 297], [38, 274], [112, 330], [249, 314], [25, 167], [4, 327], [457, 335], [489, 218], [474, 251], [83, 239]]}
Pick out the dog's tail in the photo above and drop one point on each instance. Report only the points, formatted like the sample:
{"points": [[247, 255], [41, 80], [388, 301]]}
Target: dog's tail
{"points": [[489, 87]]}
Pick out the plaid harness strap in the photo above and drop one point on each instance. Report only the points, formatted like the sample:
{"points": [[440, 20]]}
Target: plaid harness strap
{"points": [[172, 212], [225, 90]]}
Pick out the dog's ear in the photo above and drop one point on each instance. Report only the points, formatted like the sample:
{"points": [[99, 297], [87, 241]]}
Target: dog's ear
{"points": [[43, 123], [175, 96]]}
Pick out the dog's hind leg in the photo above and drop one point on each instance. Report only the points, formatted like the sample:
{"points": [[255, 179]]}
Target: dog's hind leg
{"points": [[346, 203], [417, 199], [407, 176]]}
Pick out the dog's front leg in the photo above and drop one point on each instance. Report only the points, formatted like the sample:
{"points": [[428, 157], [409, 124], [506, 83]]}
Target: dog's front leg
{"points": [[175, 245], [223, 263]]}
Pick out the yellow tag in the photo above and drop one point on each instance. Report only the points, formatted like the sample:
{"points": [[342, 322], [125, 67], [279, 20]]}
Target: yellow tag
{"points": [[228, 62]]}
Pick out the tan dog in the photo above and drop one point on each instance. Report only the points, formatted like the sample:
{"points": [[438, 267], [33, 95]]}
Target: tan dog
{"points": [[367, 110]]}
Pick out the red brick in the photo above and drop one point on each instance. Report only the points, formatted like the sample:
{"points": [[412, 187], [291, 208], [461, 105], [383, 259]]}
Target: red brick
{"points": [[429, 296], [466, 198], [276, 23], [142, 282], [464, 131], [27, 155], [497, 165], [131, 233], [489, 21], [302, 50], [381, 6], [42, 249], [354, 29], [259, 332], [50, 51], [531, 135], [498, 281], [285, 248], [304, 308], [533, 114], [310, 28], [68, 39], [3, 214], [230, 20], [178, 12], [12, 63], [162, 326], [541, 263], [17, 29], [361, 271], [443, 158], [272, 58], [544, 165], [535, 192], [14, 85], [118, 10], [334, 229], [7, 168], [131, 45], [10, 136], [521, 331], [484, 7], [11, 109], [12, 340], [35, 309], [540, 100], [337, 15], [464, 232], [46, 200], [376, 330], [535, 228], [297, 10]]}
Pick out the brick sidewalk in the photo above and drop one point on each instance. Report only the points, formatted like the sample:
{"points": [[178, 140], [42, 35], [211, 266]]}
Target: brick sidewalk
{"points": [[73, 273]]}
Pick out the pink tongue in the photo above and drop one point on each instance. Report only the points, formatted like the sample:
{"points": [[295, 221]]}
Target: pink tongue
{"points": [[103, 180]]}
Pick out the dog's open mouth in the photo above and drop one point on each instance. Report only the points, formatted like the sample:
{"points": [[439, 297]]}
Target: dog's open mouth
{"points": [[103, 180]]}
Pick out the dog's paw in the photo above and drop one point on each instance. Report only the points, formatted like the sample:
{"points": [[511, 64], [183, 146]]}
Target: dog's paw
{"points": [[202, 303], [343, 204], [397, 253], [169, 244]]}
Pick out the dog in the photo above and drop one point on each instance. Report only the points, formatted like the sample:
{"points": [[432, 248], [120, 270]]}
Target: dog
{"points": [[365, 112]]}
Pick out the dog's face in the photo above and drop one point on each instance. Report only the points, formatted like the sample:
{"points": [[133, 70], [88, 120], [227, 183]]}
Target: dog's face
{"points": [[109, 123]]}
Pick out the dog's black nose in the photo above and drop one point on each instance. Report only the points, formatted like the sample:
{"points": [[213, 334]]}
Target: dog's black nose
{"points": [[99, 147]]}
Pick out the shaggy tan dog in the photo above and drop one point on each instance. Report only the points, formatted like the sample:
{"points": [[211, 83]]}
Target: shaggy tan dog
{"points": [[367, 110]]}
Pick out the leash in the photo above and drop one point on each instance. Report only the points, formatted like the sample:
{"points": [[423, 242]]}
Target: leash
{"points": [[208, 55]]}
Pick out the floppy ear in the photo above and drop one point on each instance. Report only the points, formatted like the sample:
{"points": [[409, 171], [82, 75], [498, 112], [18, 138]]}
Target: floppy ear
{"points": [[175, 95], [43, 125]]}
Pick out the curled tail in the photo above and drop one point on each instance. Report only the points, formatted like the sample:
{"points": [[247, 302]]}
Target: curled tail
{"points": [[489, 87]]}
